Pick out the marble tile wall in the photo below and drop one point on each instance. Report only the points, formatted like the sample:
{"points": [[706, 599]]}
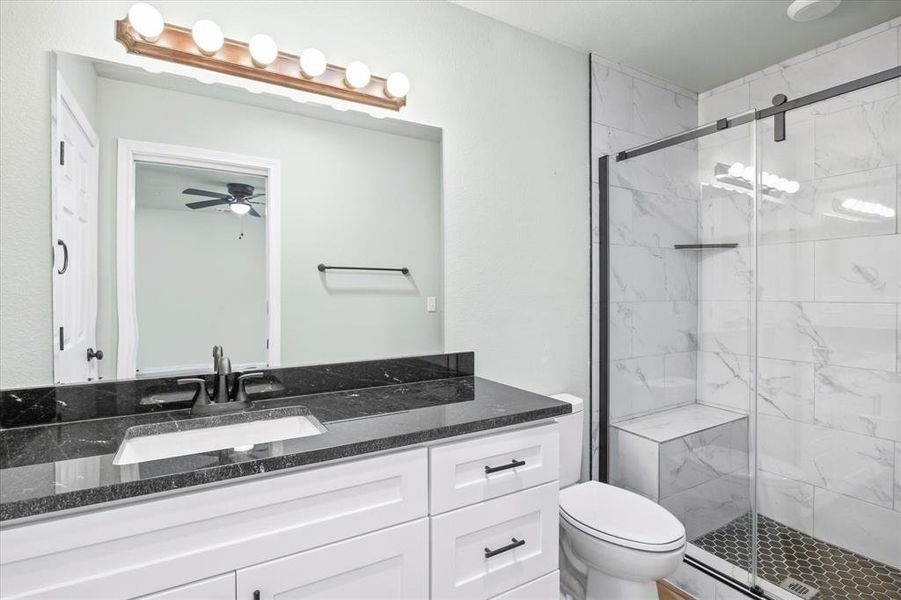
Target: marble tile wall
{"points": [[828, 310], [652, 205]]}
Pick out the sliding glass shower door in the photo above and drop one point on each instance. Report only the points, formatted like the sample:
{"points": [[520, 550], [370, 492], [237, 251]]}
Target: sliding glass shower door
{"points": [[828, 370]]}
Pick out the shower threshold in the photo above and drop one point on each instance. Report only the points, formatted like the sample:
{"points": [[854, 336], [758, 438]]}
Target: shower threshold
{"points": [[785, 553]]}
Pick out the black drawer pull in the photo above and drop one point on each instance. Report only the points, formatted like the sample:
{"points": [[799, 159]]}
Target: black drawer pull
{"points": [[515, 463], [515, 544], [256, 595]]}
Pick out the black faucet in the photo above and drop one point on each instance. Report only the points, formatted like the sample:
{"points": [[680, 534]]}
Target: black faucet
{"points": [[222, 401]]}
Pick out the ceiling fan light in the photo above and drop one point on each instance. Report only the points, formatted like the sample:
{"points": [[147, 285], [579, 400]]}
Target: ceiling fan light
{"points": [[240, 207]]}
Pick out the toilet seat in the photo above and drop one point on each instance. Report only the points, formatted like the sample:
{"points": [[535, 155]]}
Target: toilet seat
{"points": [[621, 517]]}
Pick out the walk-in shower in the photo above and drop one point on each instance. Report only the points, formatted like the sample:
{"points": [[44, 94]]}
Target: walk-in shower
{"points": [[749, 342]]}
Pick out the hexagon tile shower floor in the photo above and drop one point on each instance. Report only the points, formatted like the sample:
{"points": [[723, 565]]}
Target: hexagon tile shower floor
{"points": [[784, 552]]}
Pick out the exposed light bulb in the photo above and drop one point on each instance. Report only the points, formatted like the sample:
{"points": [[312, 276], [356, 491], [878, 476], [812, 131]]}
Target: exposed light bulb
{"points": [[263, 50], [736, 169], [312, 63], [792, 187], [207, 36], [240, 207], [397, 86], [146, 20], [356, 75]]}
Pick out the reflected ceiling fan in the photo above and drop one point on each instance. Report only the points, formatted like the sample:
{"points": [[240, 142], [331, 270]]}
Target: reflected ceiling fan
{"points": [[238, 199]]}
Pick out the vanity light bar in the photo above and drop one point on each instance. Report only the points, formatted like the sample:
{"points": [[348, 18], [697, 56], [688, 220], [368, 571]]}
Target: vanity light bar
{"points": [[259, 60]]}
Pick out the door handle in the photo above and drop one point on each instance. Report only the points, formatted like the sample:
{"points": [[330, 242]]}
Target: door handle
{"points": [[95, 354], [65, 257]]}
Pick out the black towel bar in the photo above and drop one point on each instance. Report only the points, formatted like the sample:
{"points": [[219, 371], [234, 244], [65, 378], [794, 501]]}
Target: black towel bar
{"points": [[322, 268]]}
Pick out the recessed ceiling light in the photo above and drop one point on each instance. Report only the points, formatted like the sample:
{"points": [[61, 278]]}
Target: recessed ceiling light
{"points": [[810, 10]]}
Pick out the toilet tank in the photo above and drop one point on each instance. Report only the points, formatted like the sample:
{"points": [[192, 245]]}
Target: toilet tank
{"points": [[570, 440]]}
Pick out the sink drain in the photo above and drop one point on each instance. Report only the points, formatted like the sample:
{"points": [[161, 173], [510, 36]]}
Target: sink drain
{"points": [[799, 588]]}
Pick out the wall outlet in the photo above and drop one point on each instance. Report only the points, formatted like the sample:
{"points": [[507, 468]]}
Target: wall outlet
{"points": [[431, 303]]}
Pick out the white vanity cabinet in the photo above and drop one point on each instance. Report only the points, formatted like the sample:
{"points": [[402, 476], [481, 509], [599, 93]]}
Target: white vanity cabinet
{"points": [[359, 528]]}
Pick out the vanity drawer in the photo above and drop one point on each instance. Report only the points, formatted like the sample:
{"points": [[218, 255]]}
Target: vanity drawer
{"points": [[543, 588], [473, 470], [483, 550]]}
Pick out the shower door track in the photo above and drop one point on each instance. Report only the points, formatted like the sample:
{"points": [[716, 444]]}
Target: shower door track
{"points": [[781, 106]]}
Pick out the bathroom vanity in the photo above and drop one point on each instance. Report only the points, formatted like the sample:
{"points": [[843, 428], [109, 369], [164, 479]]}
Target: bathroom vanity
{"points": [[441, 488]]}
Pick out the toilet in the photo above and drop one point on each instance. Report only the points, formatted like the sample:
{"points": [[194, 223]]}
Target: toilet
{"points": [[619, 542]]}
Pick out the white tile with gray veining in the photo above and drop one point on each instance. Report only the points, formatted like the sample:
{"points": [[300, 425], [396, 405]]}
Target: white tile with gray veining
{"points": [[724, 379], [864, 269], [859, 400], [786, 271], [828, 333], [694, 459], [659, 112], [724, 326], [680, 370], [785, 389], [636, 273], [710, 505], [725, 274], [664, 327], [679, 422], [637, 386], [785, 500], [858, 526], [611, 96], [846, 463], [858, 139], [634, 463]]}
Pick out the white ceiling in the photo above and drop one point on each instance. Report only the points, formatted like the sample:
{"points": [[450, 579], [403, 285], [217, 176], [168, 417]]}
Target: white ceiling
{"points": [[696, 44], [160, 186]]}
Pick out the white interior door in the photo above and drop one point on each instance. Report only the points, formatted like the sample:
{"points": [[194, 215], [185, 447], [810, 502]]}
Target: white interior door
{"points": [[74, 229]]}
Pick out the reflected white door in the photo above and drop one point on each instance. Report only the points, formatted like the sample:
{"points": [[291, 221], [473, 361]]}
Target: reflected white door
{"points": [[74, 229]]}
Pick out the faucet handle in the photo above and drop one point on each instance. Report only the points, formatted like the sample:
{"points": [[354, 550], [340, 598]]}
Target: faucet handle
{"points": [[201, 396], [240, 392]]}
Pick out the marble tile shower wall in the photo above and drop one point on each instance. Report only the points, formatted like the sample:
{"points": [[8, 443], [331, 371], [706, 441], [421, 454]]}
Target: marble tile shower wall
{"points": [[829, 295], [653, 204]]}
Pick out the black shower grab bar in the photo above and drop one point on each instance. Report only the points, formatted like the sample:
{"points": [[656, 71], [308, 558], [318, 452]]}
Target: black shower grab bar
{"points": [[323, 267]]}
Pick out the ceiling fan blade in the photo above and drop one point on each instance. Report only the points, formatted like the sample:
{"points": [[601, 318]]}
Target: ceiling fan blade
{"points": [[253, 212], [206, 203], [256, 195], [196, 192]]}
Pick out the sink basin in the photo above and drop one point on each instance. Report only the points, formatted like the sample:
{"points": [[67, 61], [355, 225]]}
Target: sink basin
{"points": [[239, 431]]}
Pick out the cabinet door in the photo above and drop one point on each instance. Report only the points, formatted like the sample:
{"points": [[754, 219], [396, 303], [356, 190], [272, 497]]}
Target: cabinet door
{"points": [[388, 564], [214, 588]]}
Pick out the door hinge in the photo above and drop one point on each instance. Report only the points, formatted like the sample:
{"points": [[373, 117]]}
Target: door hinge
{"points": [[62, 152], [62, 338]]}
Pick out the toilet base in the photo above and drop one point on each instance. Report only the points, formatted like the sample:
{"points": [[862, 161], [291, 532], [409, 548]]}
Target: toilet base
{"points": [[604, 587]]}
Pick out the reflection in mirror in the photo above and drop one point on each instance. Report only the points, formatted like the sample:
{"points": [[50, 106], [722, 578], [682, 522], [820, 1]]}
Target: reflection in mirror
{"points": [[189, 215]]}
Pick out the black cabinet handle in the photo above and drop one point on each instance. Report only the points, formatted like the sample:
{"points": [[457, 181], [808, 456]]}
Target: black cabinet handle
{"points": [[92, 354], [515, 463], [515, 543], [256, 595], [65, 257]]}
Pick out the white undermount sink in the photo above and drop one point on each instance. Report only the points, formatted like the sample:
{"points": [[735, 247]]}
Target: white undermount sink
{"points": [[143, 443]]}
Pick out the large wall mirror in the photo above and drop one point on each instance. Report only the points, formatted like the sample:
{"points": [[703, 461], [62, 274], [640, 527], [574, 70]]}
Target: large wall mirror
{"points": [[187, 215]]}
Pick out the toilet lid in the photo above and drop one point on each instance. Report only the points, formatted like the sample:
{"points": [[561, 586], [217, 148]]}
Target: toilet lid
{"points": [[621, 517]]}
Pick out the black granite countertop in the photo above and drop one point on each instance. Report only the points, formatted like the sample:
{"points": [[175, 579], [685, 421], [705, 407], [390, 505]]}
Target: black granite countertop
{"points": [[67, 465]]}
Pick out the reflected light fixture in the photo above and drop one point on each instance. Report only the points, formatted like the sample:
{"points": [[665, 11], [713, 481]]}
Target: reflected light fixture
{"points": [[357, 75], [263, 50], [397, 86], [868, 208], [312, 63], [239, 207], [208, 36], [146, 20]]}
